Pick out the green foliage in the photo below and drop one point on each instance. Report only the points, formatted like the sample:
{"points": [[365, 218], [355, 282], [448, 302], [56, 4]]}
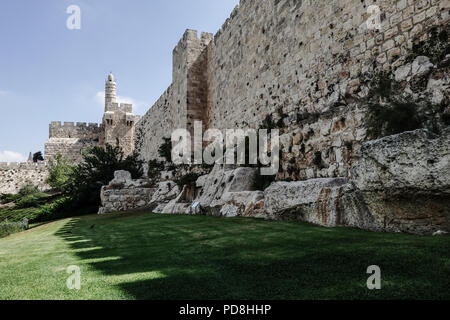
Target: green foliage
{"points": [[32, 200], [97, 170], [165, 150], [60, 171], [8, 228], [8, 198], [28, 189], [38, 157], [382, 84], [218, 259], [154, 168], [436, 47], [394, 118]]}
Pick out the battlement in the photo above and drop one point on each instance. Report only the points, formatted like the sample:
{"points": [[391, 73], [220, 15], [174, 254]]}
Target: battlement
{"points": [[23, 165], [70, 125], [192, 36], [74, 130]]}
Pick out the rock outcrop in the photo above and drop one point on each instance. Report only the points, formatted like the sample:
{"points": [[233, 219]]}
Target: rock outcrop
{"points": [[401, 184]]}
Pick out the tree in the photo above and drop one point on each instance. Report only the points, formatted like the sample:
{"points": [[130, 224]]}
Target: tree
{"points": [[60, 173], [38, 157], [97, 170]]}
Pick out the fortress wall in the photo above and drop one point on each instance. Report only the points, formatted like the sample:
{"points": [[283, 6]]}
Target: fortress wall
{"points": [[70, 148], [78, 130], [14, 176], [70, 139], [295, 60], [183, 102]]}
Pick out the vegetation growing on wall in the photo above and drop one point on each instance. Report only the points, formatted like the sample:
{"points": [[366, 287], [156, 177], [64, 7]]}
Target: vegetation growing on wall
{"points": [[165, 150], [436, 47]]}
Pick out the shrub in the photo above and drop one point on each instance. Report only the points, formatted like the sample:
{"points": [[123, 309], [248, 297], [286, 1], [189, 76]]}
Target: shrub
{"points": [[28, 189], [395, 118], [60, 171], [97, 170], [436, 47], [154, 168], [165, 150], [32, 200], [188, 179], [9, 228]]}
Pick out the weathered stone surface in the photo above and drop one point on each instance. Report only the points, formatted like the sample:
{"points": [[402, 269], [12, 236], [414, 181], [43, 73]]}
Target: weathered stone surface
{"points": [[317, 201], [417, 160], [14, 176], [294, 61], [402, 184], [404, 181], [421, 65]]}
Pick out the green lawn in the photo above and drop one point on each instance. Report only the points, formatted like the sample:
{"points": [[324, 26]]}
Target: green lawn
{"points": [[146, 256]]}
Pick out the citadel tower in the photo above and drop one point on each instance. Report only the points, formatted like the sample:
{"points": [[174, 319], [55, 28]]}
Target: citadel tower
{"points": [[117, 129], [118, 121]]}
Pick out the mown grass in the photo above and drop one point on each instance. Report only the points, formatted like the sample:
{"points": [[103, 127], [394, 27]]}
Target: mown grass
{"points": [[147, 256]]}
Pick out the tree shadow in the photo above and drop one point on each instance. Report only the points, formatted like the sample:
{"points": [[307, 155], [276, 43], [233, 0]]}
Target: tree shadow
{"points": [[212, 258]]}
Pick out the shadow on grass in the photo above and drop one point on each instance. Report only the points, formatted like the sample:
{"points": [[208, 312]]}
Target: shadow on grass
{"points": [[212, 258]]}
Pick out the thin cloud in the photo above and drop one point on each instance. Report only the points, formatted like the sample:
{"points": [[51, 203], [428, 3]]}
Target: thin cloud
{"points": [[11, 156], [3, 92]]}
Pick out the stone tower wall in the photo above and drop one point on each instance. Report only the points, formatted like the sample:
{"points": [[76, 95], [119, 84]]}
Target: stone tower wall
{"points": [[294, 60], [183, 102], [70, 139]]}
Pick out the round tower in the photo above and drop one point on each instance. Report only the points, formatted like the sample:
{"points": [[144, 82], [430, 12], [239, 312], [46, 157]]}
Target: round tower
{"points": [[110, 92]]}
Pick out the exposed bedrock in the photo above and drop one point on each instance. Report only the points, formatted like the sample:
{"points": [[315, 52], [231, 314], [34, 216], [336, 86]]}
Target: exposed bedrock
{"points": [[400, 184]]}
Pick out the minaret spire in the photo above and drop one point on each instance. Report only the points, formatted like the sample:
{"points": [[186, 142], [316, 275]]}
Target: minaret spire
{"points": [[110, 92]]}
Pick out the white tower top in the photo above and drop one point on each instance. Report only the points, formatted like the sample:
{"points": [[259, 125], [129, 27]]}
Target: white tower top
{"points": [[110, 92]]}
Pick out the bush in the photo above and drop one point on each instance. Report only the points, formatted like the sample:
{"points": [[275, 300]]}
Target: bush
{"points": [[32, 200], [9, 228], [154, 169], [188, 179], [436, 47], [165, 150], [60, 172], [28, 189], [395, 118], [97, 170]]}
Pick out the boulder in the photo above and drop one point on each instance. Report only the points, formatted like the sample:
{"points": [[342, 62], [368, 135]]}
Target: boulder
{"points": [[317, 201], [421, 66]]}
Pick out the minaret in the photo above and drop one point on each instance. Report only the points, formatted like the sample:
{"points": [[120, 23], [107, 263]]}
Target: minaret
{"points": [[110, 92]]}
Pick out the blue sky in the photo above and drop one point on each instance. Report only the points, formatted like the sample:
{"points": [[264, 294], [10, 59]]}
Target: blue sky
{"points": [[50, 73]]}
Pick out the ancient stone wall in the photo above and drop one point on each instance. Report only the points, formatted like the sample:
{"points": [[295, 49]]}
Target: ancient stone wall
{"points": [[14, 176], [119, 127], [183, 102], [301, 62], [70, 139]]}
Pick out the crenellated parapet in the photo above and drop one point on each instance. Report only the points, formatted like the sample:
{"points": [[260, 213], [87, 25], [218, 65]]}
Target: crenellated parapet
{"points": [[79, 130]]}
